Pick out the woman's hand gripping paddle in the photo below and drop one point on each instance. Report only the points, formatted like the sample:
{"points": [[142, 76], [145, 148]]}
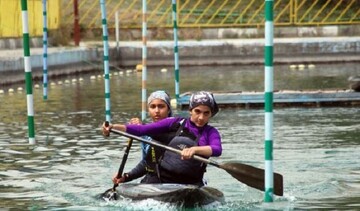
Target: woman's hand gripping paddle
{"points": [[111, 194], [249, 175]]}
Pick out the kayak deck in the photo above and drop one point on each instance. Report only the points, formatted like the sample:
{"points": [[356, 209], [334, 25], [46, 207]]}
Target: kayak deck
{"points": [[179, 194]]}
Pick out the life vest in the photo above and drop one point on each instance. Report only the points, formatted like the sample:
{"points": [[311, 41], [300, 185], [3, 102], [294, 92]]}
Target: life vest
{"points": [[174, 170], [154, 154]]}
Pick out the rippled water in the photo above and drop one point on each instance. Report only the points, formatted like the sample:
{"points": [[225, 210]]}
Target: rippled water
{"points": [[317, 150]]}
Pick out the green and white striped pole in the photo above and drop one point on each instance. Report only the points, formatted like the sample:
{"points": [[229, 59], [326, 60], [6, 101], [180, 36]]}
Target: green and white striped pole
{"points": [[28, 75], [45, 44], [106, 60], [269, 74], [144, 61], [176, 51]]}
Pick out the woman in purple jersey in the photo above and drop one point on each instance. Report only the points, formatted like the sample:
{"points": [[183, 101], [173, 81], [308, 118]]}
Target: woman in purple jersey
{"points": [[193, 137]]}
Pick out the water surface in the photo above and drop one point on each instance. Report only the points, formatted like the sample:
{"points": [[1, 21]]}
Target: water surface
{"points": [[317, 150]]}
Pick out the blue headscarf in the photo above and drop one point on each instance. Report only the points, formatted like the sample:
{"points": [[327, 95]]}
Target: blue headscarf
{"points": [[162, 95]]}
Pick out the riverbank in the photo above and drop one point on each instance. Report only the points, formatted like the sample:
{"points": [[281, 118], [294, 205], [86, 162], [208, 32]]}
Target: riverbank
{"points": [[87, 57]]}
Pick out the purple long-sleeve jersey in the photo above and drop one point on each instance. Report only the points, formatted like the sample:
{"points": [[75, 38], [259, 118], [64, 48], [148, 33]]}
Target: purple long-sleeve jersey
{"points": [[209, 135]]}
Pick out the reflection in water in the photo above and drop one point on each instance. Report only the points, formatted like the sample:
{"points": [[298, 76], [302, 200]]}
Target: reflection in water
{"points": [[316, 150]]}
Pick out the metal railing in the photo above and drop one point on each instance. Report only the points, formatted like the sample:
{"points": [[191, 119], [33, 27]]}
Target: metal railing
{"points": [[191, 14], [214, 13]]}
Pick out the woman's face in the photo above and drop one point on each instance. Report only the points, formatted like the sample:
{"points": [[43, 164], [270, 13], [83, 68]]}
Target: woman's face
{"points": [[158, 110], [200, 115]]}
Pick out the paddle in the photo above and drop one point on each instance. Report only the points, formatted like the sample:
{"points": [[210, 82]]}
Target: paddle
{"points": [[249, 175], [111, 194]]}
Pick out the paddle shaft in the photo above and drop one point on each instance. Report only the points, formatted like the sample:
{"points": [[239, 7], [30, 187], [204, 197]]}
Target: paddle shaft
{"points": [[252, 176], [122, 165], [157, 144]]}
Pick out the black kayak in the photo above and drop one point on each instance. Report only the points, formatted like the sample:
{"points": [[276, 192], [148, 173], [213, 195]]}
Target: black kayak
{"points": [[179, 194]]}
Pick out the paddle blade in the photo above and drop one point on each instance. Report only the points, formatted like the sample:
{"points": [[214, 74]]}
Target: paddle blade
{"points": [[109, 195], [252, 176]]}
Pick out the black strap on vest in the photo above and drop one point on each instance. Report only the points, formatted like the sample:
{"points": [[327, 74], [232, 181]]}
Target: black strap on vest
{"points": [[180, 129], [185, 132]]}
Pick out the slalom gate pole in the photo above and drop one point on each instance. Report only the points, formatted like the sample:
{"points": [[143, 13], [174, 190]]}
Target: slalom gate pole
{"points": [[176, 51], [45, 47], [106, 60], [144, 61], [28, 74], [269, 75], [117, 32]]}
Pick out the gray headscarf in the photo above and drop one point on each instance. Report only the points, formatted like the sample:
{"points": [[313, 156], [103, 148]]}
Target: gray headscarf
{"points": [[204, 98], [162, 95]]}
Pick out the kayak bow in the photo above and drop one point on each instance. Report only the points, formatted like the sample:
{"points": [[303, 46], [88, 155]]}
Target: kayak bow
{"points": [[179, 194]]}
